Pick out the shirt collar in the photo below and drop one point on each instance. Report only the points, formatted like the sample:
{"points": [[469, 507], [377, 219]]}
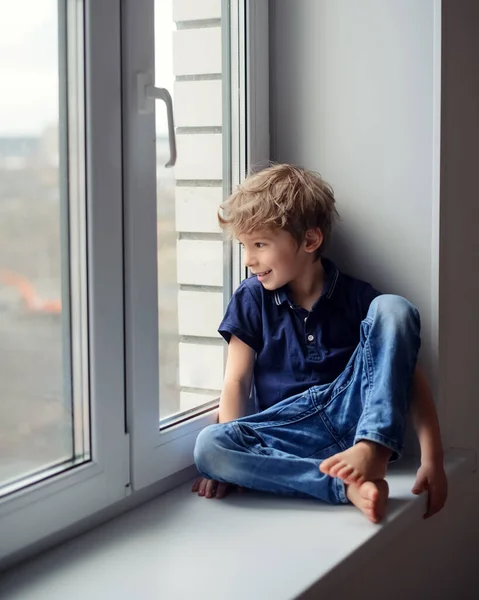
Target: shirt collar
{"points": [[331, 278]]}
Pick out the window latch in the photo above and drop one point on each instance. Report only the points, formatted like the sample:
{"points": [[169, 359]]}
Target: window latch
{"points": [[147, 93]]}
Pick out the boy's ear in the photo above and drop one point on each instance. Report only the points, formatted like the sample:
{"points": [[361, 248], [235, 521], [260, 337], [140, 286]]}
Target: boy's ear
{"points": [[313, 239]]}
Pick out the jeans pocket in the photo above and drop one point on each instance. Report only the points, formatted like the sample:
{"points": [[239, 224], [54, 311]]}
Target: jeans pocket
{"points": [[343, 408], [287, 411], [340, 385]]}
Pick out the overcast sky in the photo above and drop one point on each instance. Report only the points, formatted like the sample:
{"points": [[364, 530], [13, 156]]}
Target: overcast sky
{"points": [[29, 63]]}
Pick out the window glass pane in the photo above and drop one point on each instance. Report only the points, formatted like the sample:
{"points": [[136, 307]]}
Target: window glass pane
{"points": [[188, 58], [41, 230]]}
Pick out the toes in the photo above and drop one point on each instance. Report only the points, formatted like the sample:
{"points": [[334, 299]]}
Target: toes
{"points": [[369, 491], [345, 473], [334, 470], [326, 465], [372, 514], [354, 477]]}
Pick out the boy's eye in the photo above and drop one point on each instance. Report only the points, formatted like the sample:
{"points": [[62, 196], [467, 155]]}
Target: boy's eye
{"points": [[256, 244]]}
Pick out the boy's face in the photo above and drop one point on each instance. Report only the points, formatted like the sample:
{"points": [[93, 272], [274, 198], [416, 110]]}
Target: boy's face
{"points": [[274, 256]]}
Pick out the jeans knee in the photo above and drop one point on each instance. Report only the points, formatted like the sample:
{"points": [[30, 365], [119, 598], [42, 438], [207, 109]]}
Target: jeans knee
{"points": [[397, 311], [208, 450]]}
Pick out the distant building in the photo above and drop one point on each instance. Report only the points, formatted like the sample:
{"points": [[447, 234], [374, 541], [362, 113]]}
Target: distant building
{"points": [[17, 153]]}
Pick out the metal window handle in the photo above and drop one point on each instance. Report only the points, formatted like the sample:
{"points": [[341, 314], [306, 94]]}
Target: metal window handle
{"points": [[147, 94]]}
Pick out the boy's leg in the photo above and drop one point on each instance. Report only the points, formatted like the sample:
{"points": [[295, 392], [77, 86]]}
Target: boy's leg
{"points": [[278, 450], [385, 362]]}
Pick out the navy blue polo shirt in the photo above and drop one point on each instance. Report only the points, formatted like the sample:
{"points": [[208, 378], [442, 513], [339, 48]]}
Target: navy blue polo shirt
{"points": [[295, 348]]}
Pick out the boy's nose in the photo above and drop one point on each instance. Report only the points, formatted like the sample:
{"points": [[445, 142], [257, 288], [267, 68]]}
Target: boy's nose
{"points": [[248, 258]]}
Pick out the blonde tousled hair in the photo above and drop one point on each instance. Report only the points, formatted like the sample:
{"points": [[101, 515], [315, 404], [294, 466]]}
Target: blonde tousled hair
{"points": [[281, 197]]}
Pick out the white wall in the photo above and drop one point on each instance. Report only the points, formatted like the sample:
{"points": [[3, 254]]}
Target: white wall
{"points": [[353, 99], [356, 95]]}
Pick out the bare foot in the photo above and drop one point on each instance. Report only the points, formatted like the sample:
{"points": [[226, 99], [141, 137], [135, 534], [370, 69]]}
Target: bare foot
{"points": [[370, 497], [365, 461]]}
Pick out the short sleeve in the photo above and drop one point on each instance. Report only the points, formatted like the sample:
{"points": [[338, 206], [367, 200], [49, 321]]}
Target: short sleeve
{"points": [[243, 318], [366, 295]]}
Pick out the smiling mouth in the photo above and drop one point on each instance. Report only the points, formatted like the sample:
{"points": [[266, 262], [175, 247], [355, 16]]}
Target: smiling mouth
{"points": [[263, 273]]}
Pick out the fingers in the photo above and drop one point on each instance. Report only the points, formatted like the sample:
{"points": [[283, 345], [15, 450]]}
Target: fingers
{"points": [[221, 490], [209, 488], [432, 509], [202, 486], [436, 502], [436, 497], [421, 485]]}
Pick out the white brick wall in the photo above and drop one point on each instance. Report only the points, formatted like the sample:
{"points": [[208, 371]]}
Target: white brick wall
{"points": [[199, 313], [197, 208], [200, 262], [191, 10], [198, 103], [200, 156], [197, 51], [201, 366]]}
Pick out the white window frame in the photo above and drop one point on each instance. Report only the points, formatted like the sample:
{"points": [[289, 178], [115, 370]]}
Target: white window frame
{"points": [[38, 511], [154, 454], [47, 509]]}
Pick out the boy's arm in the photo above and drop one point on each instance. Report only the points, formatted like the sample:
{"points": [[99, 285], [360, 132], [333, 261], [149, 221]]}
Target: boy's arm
{"points": [[425, 420], [237, 381], [233, 403], [431, 475]]}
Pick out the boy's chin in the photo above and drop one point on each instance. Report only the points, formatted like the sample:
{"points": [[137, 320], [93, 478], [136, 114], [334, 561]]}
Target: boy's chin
{"points": [[270, 286]]}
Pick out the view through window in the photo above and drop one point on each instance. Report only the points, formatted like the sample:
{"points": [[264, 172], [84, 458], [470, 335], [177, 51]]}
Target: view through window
{"points": [[40, 424]]}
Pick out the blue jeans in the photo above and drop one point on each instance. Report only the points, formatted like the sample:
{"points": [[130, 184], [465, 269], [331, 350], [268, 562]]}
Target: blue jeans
{"points": [[280, 449]]}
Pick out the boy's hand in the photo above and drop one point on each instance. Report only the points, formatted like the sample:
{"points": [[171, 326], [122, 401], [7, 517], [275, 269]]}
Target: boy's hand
{"points": [[211, 488], [431, 477]]}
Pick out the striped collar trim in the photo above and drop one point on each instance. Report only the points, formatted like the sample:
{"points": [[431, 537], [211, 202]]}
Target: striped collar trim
{"points": [[332, 277]]}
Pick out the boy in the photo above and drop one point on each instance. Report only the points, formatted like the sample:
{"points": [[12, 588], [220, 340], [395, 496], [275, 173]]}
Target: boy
{"points": [[333, 363]]}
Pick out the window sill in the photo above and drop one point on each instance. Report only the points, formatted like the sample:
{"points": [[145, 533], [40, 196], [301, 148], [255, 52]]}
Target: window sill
{"points": [[255, 546]]}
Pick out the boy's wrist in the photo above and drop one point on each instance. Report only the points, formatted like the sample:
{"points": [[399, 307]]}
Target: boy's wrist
{"points": [[432, 456], [431, 445], [432, 450]]}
